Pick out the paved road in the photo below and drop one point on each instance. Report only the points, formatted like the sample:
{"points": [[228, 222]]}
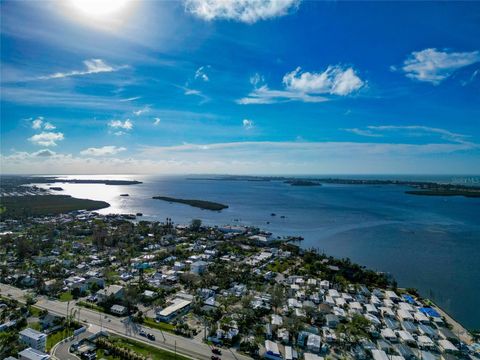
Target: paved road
{"points": [[61, 350], [192, 348]]}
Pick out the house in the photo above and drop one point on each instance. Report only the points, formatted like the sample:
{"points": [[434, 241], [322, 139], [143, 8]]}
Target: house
{"points": [[271, 350], [290, 353], [32, 354], [310, 356], [447, 346], [33, 338], [179, 305], [313, 343], [116, 291], [198, 267], [149, 294], [332, 321], [118, 310], [379, 355]]}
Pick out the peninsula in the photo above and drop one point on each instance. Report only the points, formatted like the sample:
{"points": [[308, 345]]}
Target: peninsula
{"points": [[17, 207], [202, 204], [423, 187]]}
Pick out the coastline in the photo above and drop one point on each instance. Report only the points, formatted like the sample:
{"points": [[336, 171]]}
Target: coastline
{"points": [[457, 328], [231, 216]]}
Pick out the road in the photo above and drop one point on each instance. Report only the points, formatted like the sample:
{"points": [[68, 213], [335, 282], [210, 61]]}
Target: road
{"points": [[191, 348]]}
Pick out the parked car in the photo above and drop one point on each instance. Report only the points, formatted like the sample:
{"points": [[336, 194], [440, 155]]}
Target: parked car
{"points": [[151, 337], [216, 351], [142, 333], [215, 357]]}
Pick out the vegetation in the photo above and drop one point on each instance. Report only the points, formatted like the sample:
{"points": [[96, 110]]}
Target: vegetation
{"points": [[57, 336], [300, 182], [117, 344], [472, 193], [202, 204], [159, 325], [66, 296], [17, 207]]}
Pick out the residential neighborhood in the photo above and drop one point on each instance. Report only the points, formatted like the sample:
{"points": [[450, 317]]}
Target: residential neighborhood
{"points": [[233, 288]]}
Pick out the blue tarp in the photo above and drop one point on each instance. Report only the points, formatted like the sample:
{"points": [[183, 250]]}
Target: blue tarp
{"points": [[430, 312], [409, 299]]}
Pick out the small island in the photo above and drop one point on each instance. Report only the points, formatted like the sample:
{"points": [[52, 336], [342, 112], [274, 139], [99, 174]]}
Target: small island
{"points": [[202, 204], [56, 188], [446, 192], [301, 182]]}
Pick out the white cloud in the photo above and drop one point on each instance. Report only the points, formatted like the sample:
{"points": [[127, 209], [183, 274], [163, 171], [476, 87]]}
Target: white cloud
{"points": [[335, 80], [119, 124], [434, 66], [248, 124], [37, 123], [47, 138], [157, 121], [201, 73], [195, 92], [130, 99], [265, 157], [363, 132], [49, 126], [44, 153], [92, 66], [413, 131], [246, 11], [305, 86], [102, 151], [142, 111]]}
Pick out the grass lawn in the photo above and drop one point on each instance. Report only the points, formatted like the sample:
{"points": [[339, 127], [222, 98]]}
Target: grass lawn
{"points": [[57, 336], [66, 296], [90, 306], [34, 311], [147, 350], [160, 326]]}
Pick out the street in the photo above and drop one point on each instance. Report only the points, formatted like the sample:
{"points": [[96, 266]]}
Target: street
{"points": [[185, 346]]}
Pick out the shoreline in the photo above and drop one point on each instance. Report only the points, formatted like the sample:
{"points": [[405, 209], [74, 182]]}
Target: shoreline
{"points": [[457, 328]]}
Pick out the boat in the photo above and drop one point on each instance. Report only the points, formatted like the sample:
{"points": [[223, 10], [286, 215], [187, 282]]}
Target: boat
{"points": [[124, 195]]}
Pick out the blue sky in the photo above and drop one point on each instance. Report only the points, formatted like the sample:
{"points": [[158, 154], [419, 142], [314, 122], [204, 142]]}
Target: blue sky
{"points": [[265, 87]]}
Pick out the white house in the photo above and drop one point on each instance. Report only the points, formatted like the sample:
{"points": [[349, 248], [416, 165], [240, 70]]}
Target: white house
{"points": [[33, 338]]}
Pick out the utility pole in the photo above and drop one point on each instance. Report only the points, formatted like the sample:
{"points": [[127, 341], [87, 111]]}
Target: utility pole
{"points": [[68, 319], [175, 349]]}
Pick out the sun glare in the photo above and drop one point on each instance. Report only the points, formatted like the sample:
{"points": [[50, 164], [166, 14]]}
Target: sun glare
{"points": [[99, 8]]}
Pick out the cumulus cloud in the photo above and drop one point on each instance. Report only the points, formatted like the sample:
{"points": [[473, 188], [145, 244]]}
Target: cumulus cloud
{"points": [[305, 86], [92, 66], [119, 124], [335, 80], [37, 123], [44, 153], [248, 124], [46, 138], [156, 121], [201, 73], [102, 151], [246, 11], [434, 66]]}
